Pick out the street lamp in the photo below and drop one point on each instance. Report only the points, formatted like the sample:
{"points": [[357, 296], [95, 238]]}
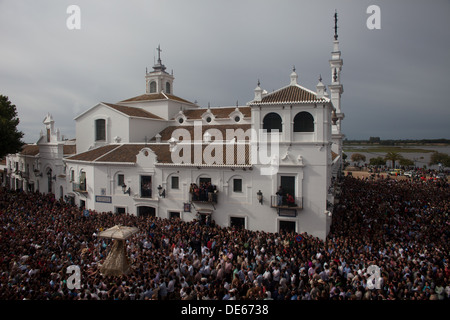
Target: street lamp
{"points": [[161, 191]]}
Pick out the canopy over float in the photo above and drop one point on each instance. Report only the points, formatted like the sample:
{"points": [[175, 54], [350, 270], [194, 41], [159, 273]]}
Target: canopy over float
{"points": [[117, 262]]}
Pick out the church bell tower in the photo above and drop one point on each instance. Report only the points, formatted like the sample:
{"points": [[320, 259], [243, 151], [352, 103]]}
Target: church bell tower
{"points": [[158, 80], [336, 90]]}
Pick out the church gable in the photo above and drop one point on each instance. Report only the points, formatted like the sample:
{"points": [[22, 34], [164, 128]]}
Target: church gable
{"points": [[132, 111], [292, 94], [156, 97]]}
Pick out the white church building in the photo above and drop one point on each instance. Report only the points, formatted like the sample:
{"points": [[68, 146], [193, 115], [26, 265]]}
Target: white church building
{"points": [[160, 155]]}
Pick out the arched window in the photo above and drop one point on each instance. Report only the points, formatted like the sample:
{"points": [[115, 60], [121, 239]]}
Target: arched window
{"points": [[152, 87], [303, 122], [100, 130], [272, 121], [168, 87]]}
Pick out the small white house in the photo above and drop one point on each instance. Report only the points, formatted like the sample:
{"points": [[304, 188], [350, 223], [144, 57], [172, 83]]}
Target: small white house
{"points": [[39, 166]]}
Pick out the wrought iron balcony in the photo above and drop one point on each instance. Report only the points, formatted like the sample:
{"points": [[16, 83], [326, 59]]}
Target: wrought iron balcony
{"points": [[79, 187], [284, 208]]}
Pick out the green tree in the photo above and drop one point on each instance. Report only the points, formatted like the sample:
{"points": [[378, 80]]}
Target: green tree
{"points": [[357, 157], [438, 157], [374, 140], [393, 156], [378, 161], [10, 137], [406, 162]]}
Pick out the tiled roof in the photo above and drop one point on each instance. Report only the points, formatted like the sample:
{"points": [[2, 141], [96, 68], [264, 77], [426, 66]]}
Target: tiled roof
{"points": [[92, 155], [30, 150], [219, 113], [240, 155], [126, 153], [333, 155], [132, 111], [69, 149], [33, 149], [156, 96], [167, 133], [290, 94], [123, 153]]}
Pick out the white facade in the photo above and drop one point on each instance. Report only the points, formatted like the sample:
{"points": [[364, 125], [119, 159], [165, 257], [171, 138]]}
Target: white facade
{"points": [[40, 166], [131, 157]]}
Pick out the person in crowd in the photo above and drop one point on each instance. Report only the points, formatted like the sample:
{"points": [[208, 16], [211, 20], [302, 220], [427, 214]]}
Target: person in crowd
{"points": [[206, 192], [401, 227]]}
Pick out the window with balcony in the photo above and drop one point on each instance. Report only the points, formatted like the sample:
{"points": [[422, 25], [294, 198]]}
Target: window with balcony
{"points": [[146, 186], [285, 196], [204, 191], [81, 185]]}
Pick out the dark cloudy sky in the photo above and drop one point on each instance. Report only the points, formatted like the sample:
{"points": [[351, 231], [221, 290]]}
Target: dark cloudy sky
{"points": [[395, 79]]}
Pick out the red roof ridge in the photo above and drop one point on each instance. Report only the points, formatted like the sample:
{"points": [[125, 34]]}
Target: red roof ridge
{"points": [[132, 111], [292, 93]]}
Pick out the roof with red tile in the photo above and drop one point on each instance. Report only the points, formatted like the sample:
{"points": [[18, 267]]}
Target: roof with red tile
{"points": [[92, 155], [225, 129], [133, 112], [218, 113], [290, 94], [156, 96], [30, 150], [126, 153], [69, 149]]}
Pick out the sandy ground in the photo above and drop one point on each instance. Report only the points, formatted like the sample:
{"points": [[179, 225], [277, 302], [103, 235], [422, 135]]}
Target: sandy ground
{"points": [[363, 174]]}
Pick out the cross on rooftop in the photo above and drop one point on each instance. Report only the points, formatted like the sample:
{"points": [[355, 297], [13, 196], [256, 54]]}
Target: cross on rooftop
{"points": [[335, 25], [159, 53]]}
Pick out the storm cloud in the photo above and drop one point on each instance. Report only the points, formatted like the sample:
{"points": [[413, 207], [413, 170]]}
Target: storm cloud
{"points": [[394, 78]]}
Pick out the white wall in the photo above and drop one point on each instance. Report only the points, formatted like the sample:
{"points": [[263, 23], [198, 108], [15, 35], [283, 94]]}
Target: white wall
{"points": [[141, 128], [310, 187], [117, 124]]}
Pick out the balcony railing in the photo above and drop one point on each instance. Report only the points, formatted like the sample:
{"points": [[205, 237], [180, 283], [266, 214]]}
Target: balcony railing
{"points": [[203, 193], [284, 208], [79, 187], [283, 204], [146, 192]]}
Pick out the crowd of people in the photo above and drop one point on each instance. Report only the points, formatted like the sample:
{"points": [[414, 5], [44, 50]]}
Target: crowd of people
{"points": [[206, 191], [399, 228]]}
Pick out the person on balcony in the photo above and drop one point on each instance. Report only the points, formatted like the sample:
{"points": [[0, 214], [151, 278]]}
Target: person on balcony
{"points": [[280, 194], [290, 200]]}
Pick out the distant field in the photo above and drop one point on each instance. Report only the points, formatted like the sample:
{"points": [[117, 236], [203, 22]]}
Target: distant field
{"points": [[386, 149]]}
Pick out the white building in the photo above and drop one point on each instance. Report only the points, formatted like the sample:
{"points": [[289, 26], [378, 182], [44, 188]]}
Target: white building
{"points": [[141, 155], [40, 166]]}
